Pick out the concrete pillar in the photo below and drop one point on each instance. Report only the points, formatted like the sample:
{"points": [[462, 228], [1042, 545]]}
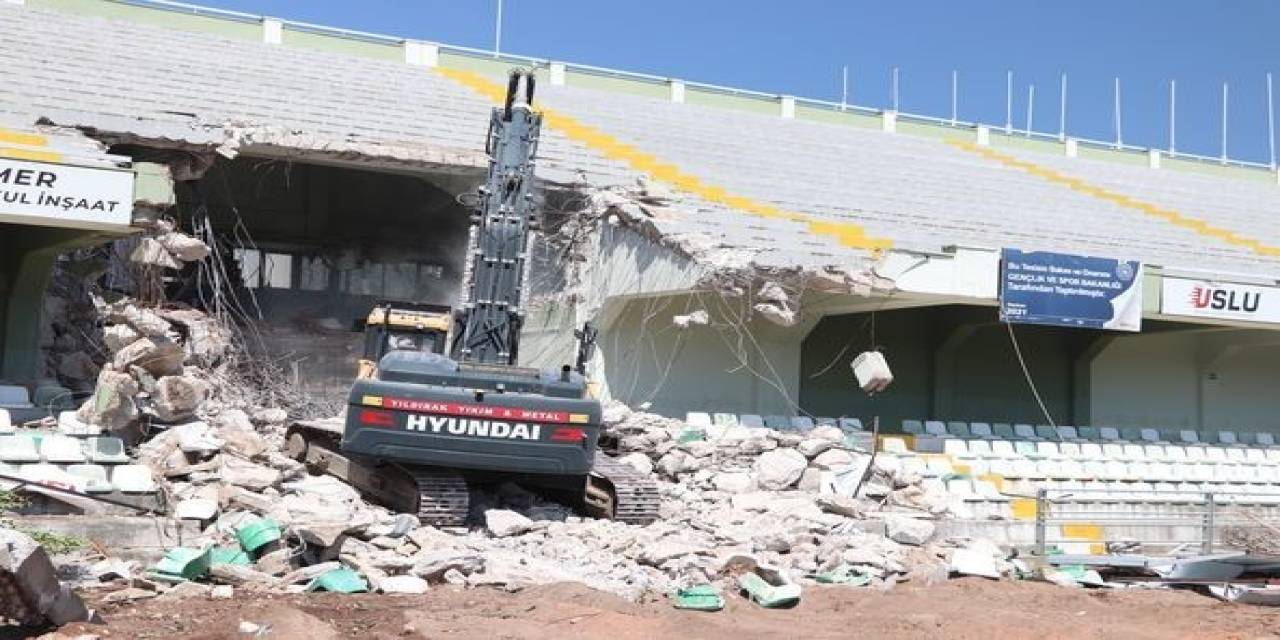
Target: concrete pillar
{"points": [[944, 373], [557, 73], [1071, 148], [272, 31], [677, 90], [889, 121], [1153, 158], [1082, 379], [984, 135], [421, 54], [788, 106]]}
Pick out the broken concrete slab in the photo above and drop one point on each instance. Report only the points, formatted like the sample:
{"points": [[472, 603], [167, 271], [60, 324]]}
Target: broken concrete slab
{"points": [[33, 592], [778, 469], [908, 530]]}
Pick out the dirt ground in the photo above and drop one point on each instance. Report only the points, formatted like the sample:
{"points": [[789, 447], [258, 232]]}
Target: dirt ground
{"points": [[965, 608]]}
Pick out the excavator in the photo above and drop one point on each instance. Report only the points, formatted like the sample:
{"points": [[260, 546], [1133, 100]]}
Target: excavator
{"points": [[423, 425]]}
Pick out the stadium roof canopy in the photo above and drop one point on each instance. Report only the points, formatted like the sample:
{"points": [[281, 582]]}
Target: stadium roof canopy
{"points": [[794, 185]]}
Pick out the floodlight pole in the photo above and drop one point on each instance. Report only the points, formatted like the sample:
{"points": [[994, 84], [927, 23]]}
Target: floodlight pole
{"points": [[844, 87], [955, 80], [1224, 122], [1119, 136], [1271, 124], [895, 89], [1173, 117]]}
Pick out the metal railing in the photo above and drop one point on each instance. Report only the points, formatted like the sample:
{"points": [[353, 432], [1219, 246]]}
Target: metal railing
{"points": [[1206, 522], [1005, 129]]}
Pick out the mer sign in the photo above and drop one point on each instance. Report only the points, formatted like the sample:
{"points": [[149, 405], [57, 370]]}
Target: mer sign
{"points": [[1070, 291], [1204, 299], [59, 195]]}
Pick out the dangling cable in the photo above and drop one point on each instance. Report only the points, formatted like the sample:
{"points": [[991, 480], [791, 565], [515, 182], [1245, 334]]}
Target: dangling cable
{"points": [[1027, 374]]}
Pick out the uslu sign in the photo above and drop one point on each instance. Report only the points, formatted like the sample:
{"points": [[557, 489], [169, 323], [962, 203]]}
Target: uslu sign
{"points": [[1228, 301], [46, 194]]}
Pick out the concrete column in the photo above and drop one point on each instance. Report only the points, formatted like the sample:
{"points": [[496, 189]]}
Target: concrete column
{"points": [[788, 106], [557, 73], [1082, 380], [272, 31], [421, 54], [984, 135], [677, 90], [889, 121], [944, 373], [1071, 147], [1153, 158]]}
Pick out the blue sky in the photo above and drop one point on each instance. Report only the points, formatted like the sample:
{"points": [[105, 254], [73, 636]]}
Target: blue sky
{"points": [[798, 46]]}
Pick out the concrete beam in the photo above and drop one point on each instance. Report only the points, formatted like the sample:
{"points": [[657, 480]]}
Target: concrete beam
{"points": [[134, 537]]}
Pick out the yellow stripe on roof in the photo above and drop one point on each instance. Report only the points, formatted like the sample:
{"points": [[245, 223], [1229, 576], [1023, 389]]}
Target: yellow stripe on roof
{"points": [[30, 154], [846, 233], [1119, 199], [9, 136]]}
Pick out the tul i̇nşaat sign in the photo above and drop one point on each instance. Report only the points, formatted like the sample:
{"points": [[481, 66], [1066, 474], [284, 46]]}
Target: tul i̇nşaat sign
{"points": [[46, 194]]}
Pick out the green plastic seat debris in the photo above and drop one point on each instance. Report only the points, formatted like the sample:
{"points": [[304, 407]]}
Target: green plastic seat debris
{"points": [[257, 534], [692, 435], [229, 555], [181, 564], [341, 580], [767, 595], [845, 575], [703, 597]]}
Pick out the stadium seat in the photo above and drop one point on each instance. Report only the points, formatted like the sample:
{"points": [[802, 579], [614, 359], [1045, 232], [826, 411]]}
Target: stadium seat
{"points": [[935, 428], [894, 445], [914, 427], [802, 423], [1003, 430], [1067, 433], [1003, 449], [1046, 432], [1188, 436], [107, 450], [980, 430], [92, 477], [1131, 434], [980, 449], [1091, 451], [18, 448], [698, 419], [939, 467], [1265, 439], [49, 474], [60, 449], [1109, 434], [959, 429], [1227, 438], [824, 421], [1088, 433], [849, 424], [777, 422], [1148, 435], [1026, 449], [70, 424], [1025, 432], [956, 447], [133, 478], [724, 419], [751, 420], [1048, 450]]}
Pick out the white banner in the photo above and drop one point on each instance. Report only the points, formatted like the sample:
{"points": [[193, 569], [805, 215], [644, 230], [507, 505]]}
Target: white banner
{"points": [[42, 193], [1205, 299]]}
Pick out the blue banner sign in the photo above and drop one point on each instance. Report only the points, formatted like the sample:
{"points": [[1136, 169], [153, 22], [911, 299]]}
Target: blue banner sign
{"points": [[1070, 291]]}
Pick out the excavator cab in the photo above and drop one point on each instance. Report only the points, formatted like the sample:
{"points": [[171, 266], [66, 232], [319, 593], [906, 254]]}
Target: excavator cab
{"points": [[397, 326]]}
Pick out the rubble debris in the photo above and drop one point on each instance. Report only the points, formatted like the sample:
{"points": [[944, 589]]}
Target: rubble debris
{"points": [[30, 592], [698, 318]]}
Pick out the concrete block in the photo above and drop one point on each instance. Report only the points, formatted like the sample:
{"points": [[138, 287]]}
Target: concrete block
{"points": [[889, 121], [984, 135], [48, 474], [1071, 147], [787, 106], [422, 54], [1153, 158], [272, 31], [556, 72], [677, 90]]}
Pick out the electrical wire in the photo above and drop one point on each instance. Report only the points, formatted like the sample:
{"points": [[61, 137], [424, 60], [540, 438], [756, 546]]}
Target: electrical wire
{"points": [[1027, 374]]}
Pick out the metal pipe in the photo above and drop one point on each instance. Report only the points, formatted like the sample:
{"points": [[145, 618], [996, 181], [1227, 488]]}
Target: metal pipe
{"points": [[1062, 108], [1271, 124], [955, 80], [1031, 106], [844, 87], [497, 32], [1224, 121], [1008, 102], [1119, 137], [1173, 117], [895, 89]]}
